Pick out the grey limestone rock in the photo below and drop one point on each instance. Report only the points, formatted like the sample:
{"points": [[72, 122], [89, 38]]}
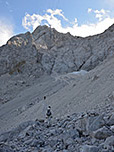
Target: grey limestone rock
{"points": [[102, 133], [111, 120], [97, 123], [88, 148], [47, 51], [109, 141], [63, 135]]}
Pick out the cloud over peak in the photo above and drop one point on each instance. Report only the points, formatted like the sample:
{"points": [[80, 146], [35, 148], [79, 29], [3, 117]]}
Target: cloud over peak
{"points": [[50, 18], [30, 22]]}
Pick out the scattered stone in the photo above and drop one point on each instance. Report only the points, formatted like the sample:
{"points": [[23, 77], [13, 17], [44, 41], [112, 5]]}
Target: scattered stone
{"points": [[112, 128], [95, 78], [97, 123], [88, 148], [102, 133], [109, 141], [67, 134], [111, 120]]}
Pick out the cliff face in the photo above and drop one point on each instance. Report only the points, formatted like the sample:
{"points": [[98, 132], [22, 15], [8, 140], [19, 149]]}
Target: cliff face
{"points": [[47, 51]]}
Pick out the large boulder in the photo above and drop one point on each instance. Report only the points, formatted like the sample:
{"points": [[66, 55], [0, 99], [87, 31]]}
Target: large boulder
{"points": [[111, 120], [96, 124], [88, 148], [102, 133], [109, 141]]}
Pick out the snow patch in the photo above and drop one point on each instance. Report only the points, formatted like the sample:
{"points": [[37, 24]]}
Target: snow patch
{"points": [[81, 72]]}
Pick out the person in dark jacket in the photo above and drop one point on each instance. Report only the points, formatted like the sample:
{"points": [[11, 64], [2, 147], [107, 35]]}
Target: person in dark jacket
{"points": [[48, 116], [49, 113]]}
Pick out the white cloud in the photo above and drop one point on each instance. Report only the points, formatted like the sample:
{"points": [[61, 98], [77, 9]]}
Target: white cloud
{"points": [[6, 32], [99, 14], [91, 29], [30, 22], [57, 12], [89, 10], [50, 16]]}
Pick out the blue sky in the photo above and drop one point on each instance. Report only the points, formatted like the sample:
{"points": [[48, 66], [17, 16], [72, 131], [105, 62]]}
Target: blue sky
{"points": [[79, 17]]}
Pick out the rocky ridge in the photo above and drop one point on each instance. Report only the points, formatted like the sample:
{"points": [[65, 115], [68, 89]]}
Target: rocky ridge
{"points": [[47, 51]]}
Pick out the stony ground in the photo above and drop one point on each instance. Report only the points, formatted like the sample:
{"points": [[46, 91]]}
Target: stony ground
{"points": [[91, 131]]}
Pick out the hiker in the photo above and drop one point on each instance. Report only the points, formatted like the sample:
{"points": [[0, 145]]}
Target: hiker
{"points": [[44, 97], [48, 113], [49, 116]]}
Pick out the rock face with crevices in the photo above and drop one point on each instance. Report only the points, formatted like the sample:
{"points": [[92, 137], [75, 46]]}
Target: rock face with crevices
{"points": [[47, 51]]}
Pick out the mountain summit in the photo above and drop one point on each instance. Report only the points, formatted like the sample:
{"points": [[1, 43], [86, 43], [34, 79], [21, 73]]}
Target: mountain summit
{"points": [[48, 51]]}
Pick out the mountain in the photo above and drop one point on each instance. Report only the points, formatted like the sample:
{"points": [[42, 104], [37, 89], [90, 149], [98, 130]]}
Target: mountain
{"points": [[47, 51], [76, 77]]}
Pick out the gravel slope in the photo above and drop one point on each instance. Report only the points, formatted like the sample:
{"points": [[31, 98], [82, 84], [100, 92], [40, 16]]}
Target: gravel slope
{"points": [[66, 94]]}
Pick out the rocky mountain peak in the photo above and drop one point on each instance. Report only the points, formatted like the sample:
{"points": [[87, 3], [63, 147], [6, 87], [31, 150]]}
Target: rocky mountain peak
{"points": [[40, 28], [47, 51]]}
